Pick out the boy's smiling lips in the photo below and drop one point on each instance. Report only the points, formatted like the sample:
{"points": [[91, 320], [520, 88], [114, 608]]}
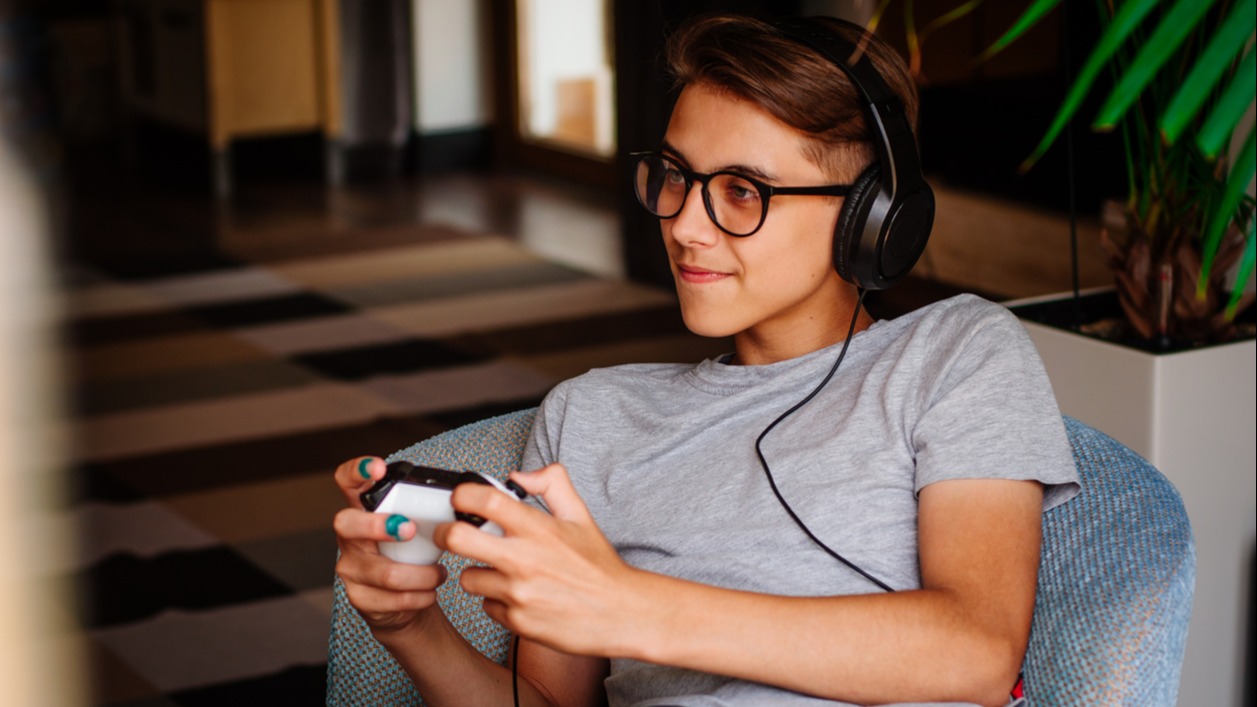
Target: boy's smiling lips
{"points": [[697, 275]]}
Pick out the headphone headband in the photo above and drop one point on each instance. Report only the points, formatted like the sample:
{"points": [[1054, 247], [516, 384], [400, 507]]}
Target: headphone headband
{"points": [[887, 218]]}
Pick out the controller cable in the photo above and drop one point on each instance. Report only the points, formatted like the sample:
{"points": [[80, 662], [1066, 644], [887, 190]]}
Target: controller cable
{"points": [[855, 314], [515, 671]]}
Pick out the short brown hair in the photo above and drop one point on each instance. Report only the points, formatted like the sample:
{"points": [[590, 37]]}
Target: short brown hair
{"points": [[796, 84]]}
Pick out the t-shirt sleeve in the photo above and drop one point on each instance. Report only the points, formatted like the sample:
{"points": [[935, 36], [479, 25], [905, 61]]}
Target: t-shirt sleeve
{"points": [[536, 447], [540, 449], [988, 411]]}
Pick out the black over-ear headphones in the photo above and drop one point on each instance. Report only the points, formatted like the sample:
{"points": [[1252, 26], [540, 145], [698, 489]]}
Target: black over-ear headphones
{"points": [[887, 215]]}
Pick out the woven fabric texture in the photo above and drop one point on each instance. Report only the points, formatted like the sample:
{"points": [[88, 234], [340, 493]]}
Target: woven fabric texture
{"points": [[1110, 621], [1115, 584], [359, 670]]}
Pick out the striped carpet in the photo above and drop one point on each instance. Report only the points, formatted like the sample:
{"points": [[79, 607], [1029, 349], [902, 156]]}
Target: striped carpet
{"points": [[211, 405]]}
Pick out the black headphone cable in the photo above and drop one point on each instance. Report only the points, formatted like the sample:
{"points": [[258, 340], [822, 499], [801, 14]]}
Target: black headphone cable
{"points": [[855, 314]]}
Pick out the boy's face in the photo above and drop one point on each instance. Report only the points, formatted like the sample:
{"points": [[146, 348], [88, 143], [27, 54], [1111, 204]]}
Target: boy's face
{"points": [[775, 291]]}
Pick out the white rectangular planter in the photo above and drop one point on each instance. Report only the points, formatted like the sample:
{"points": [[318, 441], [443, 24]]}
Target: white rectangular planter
{"points": [[1193, 415]]}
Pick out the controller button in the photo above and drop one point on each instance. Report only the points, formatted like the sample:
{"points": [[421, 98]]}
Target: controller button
{"points": [[516, 489], [470, 518]]}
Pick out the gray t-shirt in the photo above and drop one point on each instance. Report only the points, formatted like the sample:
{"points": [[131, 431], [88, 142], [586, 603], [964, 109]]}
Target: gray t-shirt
{"points": [[664, 456]]}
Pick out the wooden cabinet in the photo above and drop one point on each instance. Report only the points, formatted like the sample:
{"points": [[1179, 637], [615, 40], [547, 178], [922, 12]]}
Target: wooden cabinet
{"points": [[233, 68]]}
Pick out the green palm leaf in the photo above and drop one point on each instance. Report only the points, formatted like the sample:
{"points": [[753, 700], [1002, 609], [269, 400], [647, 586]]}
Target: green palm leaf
{"points": [[1245, 271], [1241, 174], [1236, 97], [1174, 27], [1213, 63], [1123, 24], [1037, 11]]}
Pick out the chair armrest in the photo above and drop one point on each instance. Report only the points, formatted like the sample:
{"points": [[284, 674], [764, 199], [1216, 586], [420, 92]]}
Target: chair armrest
{"points": [[1115, 584]]}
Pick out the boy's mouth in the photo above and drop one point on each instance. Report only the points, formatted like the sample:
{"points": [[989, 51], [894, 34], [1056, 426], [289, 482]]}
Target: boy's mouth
{"points": [[696, 275]]}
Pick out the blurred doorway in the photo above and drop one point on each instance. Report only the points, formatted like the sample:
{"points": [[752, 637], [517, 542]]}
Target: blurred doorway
{"points": [[557, 76], [566, 81]]}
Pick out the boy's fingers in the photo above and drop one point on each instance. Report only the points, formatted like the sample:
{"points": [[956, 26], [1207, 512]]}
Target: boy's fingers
{"points": [[555, 487], [357, 475], [356, 524]]}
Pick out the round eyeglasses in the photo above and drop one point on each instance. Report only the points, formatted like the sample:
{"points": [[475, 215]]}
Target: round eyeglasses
{"points": [[736, 203]]}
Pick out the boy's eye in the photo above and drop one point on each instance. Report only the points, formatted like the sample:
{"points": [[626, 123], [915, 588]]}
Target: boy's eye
{"points": [[738, 191]]}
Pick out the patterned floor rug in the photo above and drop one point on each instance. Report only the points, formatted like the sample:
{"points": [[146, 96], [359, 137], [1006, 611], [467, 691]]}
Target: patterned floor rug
{"points": [[212, 401]]}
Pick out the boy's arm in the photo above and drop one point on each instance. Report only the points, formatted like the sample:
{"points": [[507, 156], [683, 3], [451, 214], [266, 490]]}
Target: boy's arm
{"points": [[959, 638], [448, 671], [562, 679]]}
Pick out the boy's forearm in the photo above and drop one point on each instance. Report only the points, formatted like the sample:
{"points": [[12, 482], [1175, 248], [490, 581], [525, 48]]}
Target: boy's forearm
{"points": [[446, 669], [961, 638], [922, 645]]}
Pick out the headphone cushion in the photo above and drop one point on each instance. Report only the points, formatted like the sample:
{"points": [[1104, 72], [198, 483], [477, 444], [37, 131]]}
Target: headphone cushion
{"points": [[850, 225]]}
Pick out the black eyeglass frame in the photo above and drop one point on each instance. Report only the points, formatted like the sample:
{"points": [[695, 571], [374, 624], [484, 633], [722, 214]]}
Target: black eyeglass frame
{"points": [[766, 191]]}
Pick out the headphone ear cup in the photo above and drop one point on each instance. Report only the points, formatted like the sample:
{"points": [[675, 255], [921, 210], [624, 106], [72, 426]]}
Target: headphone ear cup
{"points": [[851, 218]]}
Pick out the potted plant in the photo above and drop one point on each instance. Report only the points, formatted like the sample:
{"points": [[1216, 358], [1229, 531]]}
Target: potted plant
{"points": [[1184, 76], [1171, 374]]}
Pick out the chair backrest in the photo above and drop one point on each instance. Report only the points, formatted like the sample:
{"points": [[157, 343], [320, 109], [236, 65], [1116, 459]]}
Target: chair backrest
{"points": [[1110, 621]]}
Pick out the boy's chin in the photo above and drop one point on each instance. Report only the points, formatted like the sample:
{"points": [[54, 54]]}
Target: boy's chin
{"points": [[708, 326]]}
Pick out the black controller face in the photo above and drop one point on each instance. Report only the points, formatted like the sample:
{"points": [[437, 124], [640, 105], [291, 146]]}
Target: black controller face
{"points": [[401, 472]]}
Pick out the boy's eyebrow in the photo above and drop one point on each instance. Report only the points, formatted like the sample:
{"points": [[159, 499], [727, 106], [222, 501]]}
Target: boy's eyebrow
{"points": [[754, 172]]}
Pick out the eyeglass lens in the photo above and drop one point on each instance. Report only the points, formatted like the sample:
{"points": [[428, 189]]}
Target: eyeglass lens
{"points": [[733, 202]]}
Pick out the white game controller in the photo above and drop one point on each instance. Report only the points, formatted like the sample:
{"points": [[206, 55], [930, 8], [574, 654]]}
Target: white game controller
{"points": [[422, 495]]}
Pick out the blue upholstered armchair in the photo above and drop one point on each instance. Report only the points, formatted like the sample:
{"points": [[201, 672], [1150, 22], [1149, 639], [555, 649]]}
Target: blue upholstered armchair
{"points": [[1110, 619]]}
